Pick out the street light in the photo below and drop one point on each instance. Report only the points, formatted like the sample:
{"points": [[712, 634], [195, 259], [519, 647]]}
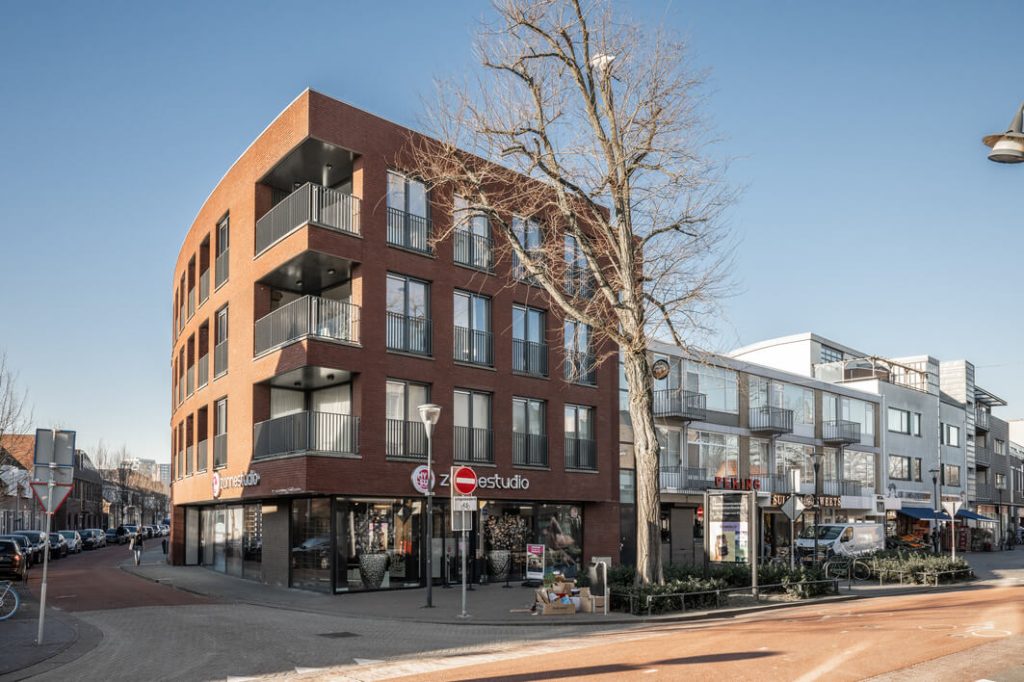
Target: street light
{"points": [[1007, 147], [816, 458], [937, 507], [429, 414]]}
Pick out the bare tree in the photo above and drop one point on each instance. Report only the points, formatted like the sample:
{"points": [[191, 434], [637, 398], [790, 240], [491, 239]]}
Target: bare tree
{"points": [[15, 415], [603, 117]]}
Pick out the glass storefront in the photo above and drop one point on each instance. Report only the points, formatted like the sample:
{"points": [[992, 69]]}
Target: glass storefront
{"points": [[510, 526], [231, 539]]}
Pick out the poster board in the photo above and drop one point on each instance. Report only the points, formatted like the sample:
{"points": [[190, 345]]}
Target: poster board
{"points": [[727, 518], [535, 562]]}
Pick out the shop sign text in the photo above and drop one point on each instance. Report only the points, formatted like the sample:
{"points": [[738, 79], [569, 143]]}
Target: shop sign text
{"points": [[732, 483], [494, 482], [246, 480]]}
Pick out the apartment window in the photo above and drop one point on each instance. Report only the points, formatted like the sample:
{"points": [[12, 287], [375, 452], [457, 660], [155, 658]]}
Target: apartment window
{"points": [[915, 424], [950, 475], [851, 409], [579, 361], [473, 328], [899, 420], [529, 352], [717, 454], [220, 349], [528, 233], [800, 400], [1001, 481], [916, 469], [580, 448], [221, 262], [472, 422], [899, 468], [406, 436], [578, 279], [529, 442], [472, 237], [408, 213], [859, 466], [760, 458], [830, 354], [720, 385], [408, 315], [950, 435], [999, 446], [220, 433]]}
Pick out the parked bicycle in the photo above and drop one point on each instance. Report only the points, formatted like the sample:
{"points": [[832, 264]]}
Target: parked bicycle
{"points": [[847, 567], [9, 601]]}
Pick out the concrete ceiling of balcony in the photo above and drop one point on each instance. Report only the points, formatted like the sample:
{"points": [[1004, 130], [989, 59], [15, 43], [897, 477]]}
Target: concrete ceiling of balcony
{"points": [[306, 163], [309, 273], [311, 378]]}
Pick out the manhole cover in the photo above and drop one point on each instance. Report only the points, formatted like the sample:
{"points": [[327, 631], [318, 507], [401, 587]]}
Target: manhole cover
{"points": [[338, 635]]}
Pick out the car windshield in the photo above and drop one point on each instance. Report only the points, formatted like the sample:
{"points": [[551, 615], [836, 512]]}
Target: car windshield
{"points": [[67, 533], [823, 532]]}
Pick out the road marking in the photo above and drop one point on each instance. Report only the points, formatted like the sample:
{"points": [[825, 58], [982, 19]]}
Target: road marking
{"points": [[937, 627], [652, 670], [367, 661], [306, 671]]}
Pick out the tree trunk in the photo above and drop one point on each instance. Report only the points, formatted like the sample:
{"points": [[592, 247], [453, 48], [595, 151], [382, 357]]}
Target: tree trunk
{"points": [[645, 451]]}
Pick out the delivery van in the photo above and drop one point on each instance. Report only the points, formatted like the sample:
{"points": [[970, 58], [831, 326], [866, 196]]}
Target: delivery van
{"points": [[842, 539]]}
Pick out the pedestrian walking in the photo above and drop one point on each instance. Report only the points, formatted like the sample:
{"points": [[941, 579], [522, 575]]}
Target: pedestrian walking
{"points": [[136, 546]]}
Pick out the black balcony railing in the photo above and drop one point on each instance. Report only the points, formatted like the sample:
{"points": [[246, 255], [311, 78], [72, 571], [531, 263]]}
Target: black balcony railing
{"points": [[677, 402], [529, 357], [306, 432], [308, 316], [473, 250], [472, 345], [982, 456], [406, 439], [310, 203], [474, 445], [202, 455], [580, 453], [675, 478], [408, 334], [220, 450], [580, 367], [766, 419], [220, 269], [408, 231], [529, 449], [840, 432]]}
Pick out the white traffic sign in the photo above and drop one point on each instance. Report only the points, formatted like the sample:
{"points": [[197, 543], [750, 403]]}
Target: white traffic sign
{"points": [[952, 508], [462, 520], [465, 504], [792, 507], [50, 503]]}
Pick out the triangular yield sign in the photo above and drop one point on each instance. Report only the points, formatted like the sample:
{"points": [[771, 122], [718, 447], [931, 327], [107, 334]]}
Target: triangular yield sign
{"points": [[60, 493]]}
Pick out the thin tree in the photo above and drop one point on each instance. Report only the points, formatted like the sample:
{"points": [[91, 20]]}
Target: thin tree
{"points": [[604, 118], [15, 415]]}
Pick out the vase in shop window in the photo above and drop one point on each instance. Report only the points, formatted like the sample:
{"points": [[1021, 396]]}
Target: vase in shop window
{"points": [[499, 561], [372, 567]]}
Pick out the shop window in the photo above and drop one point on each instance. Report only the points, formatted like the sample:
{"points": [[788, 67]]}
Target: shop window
{"points": [[311, 544]]}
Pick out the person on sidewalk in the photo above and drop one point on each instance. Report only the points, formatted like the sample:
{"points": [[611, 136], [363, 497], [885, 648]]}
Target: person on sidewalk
{"points": [[136, 546]]}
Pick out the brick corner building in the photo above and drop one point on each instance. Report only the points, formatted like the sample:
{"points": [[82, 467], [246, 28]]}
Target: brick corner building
{"points": [[313, 312]]}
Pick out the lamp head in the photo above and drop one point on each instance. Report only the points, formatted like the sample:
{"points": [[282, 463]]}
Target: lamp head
{"points": [[1008, 147], [429, 414]]}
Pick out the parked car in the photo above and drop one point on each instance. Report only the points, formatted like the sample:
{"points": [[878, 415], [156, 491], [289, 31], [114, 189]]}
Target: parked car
{"points": [[115, 536], [130, 531], [25, 545], [12, 561], [74, 540], [58, 546], [38, 539], [165, 530], [93, 538], [842, 539]]}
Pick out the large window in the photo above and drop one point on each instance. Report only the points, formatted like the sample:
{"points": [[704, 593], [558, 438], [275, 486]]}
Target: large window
{"points": [[670, 441], [760, 459], [850, 409], [472, 237], [999, 446], [311, 544], [950, 435], [220, 433], [408, 314], [579, 359], [1001, 481], [472, 422], [715, 454], [578, 281], [406, 436], [220, 350], [580, 448], [858, 466], [408, 213], [764, 392], [950, 475], [221, 262], [830, 354], [915, 424], [472, 328], [899, 468], [529, 442], [789, 456], [529, 352], [899, 420], [720, 385], [528, 233]]}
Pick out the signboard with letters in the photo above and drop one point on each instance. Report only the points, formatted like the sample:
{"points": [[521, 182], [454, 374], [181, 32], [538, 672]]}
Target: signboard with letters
{"points": [[728, 521]]}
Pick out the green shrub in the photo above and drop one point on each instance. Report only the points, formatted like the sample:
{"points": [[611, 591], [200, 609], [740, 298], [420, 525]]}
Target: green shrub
{"points": [[915, 567]]}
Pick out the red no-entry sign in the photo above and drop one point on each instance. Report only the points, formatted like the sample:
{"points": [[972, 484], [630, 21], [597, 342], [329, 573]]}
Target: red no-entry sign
{"points": [[464, 480]]}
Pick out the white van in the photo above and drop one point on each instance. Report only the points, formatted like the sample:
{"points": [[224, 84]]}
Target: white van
{"points": [[842, 539]]}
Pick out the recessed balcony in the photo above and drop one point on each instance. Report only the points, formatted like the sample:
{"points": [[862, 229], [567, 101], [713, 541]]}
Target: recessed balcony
{"points": [[770, 420], [310, 204], [317, 433], [307, 317]]}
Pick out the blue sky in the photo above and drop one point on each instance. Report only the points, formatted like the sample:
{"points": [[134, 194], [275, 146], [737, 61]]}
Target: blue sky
{"points": [[869, 212]]}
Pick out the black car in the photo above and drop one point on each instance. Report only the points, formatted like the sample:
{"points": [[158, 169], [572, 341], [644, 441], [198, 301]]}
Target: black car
{"points": [[93, 538], [38, 539], [58, 546], [25, 545], [12, 561]]}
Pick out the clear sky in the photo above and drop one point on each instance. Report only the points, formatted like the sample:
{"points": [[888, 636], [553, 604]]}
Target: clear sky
{"points": [[869, 212]]}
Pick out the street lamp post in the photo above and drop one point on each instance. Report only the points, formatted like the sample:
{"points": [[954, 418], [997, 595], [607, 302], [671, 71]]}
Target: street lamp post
{"points": [[429, 414], [1008, 147], [816, 458], [936, 507]]}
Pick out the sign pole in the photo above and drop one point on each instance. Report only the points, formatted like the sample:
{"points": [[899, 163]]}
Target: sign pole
{"points": [[754, 541], [46, 554], [465, 543], [792, 544]]}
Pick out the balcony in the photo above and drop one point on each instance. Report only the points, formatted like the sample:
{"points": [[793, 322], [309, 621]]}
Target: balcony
{"points": [[309, 316], [474, 346], [190, 380], [204, 370], [840, 432], [774, 483], [408, 334], [189, 459], [842, 487], [681, 404], [676, 478], [529, 449], [473, 250], [204, 286], [529, 357], [984, 491], [406, 439], [321, 433], [310, 204], [408, 231], [474, 445], [220, 358], [982, 420], [580, 453], [220, 266], [220, 450], [201, 455], [982, 457], [579, 282], [580, 367], [771, 420]]}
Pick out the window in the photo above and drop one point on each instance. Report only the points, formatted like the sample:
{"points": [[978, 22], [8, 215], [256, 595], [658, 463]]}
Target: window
{"points": [[579, 362], [220, 349], [851, 409], [473, 328], [528, 232], [950, 435], [1001, 481], [999, 446], [915, 424], [578, 280], [529, 444], [916, 469], [789, 456], [406, 436], [408, 213], [899, 468], [220, 433], [950, 475], [899, 420], [472, 237], [830, 354], [759, 457], [472, 422], [716, 454], [529, 352], [580, 448], [221, 262], [408, 315], [859, 466], [720, 385], [764, 392]]}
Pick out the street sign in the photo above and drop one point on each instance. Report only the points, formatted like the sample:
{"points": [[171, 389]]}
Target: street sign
{"points": [[49, 503], [54, 456], [420, 476], [461, 520], [464, 504], [463, 481], [792, 507], [952, 508]]}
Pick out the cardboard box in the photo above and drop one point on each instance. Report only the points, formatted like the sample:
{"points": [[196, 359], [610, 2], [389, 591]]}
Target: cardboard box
{"points": [[559, 610], [565, 587], [593, 605]]}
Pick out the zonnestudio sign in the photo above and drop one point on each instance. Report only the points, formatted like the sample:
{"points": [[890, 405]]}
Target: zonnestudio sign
{"points": [[494, 482], [246, 480]]}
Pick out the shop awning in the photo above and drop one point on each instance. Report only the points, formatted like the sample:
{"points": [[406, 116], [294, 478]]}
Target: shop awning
{"points": [[924, 514], [973, 516]]}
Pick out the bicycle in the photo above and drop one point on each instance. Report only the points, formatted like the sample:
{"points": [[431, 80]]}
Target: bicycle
{"points": [[9, 600], [847, 568]]}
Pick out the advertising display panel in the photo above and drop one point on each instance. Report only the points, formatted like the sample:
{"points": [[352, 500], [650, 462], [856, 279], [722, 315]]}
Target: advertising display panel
{"points": [[728, 516]]}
